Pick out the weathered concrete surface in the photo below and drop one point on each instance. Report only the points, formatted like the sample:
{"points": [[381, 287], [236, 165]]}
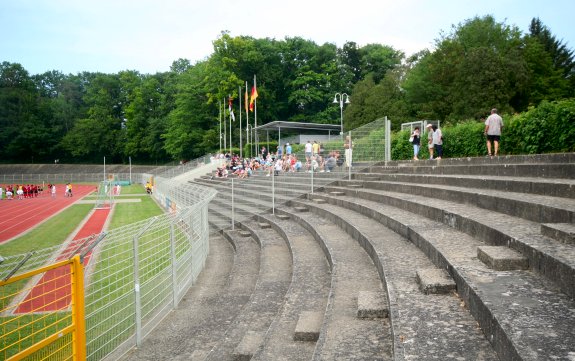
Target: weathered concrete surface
{"points": [[434, 281], [562, 232], [502, 258], [371, 304], [248, 346], [308, 326]]}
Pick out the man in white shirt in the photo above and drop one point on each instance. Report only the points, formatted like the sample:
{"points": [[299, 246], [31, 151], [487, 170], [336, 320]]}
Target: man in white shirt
{"points": [[437, 141], [493, 126], [308, 150]]}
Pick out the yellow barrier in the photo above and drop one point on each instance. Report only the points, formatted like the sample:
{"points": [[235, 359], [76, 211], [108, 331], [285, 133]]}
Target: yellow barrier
{"points": [[42, 313]]}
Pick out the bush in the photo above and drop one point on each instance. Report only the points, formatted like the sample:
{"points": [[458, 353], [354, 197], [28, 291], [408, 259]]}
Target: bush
{"points": [[549, 128]]}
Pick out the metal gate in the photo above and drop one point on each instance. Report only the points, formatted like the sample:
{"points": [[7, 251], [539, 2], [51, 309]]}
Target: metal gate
{"points": [[42, 313]]}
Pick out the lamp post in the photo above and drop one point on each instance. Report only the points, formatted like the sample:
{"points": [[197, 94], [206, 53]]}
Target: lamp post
{"points": [[339, 98]]}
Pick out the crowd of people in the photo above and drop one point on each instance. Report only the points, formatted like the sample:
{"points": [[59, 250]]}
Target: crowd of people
{"points": [[20, 191], [493, 127], [281, 161], [28, 191]]}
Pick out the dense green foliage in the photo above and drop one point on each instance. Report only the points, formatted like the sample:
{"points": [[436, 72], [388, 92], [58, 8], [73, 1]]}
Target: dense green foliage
{"points": [[547, 128], [154, 118]]}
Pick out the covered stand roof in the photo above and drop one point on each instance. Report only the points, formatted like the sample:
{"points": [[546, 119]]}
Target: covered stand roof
{"points": [[279, 124]]}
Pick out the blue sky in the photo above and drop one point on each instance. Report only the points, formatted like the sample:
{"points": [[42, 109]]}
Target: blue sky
{"points": [[148, 35]]}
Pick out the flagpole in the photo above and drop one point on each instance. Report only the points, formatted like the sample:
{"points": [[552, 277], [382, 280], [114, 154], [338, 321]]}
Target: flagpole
{"points": [[220, 134], [225, 132], [247, 120], [256, 117], [240, 97], [230, 103]]}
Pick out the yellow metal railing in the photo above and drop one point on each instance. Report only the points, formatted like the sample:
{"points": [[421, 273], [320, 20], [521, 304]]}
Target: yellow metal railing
{"points": [[42, 313]]}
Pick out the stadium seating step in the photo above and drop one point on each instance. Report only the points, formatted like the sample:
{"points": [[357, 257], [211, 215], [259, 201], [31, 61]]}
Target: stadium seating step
{"points": [[308, 326], [434, 281], [501, 258], [562, 232], [249, 344], [371, 304]]}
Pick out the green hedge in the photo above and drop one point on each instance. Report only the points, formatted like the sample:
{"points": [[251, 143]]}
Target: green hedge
{"points": [[549, 128]]}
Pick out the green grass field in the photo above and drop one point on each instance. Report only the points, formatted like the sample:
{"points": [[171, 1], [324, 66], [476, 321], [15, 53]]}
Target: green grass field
{"points": [[55, 230], [52, 233]]}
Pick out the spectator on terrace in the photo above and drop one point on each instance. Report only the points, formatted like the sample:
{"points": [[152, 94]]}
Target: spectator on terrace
{"points": [[330, 163], [416, 142], [315, 147], [493, 126], [278, 166], [348, 145], [298, 165], [308, 151], [430, 145], [313, 165], [288, 149], [437, 141]]}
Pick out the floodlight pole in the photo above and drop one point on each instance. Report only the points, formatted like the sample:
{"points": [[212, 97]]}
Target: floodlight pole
{"points": [[339, 98]]}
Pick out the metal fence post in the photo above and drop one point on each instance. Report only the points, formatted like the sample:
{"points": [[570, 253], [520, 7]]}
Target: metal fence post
{"points": [[78, 309], [350, 157], [311, 170], [174, 263], [387, 140], [233, 222], [137, 297], [273, 191]]}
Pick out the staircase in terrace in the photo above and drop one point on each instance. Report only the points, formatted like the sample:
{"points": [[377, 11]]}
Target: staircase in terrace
{"points": [[463, 259]]}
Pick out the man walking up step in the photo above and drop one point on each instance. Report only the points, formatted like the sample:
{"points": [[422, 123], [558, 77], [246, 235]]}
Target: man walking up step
{"points": [[493, 126]]}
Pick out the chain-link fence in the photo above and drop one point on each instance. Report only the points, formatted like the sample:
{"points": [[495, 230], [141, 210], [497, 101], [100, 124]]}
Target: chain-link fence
{"points": [[56, 178], [242, 198], [134, 274]]}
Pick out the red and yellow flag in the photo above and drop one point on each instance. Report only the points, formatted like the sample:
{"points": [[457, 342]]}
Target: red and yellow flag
{"points": [[253, 98]]}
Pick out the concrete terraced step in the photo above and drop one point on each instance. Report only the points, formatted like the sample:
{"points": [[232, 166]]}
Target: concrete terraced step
{"points": [[308, 292], [532, 159], [423, 326], [555, 187], [273, 280], [533, 207], [550, 170], [344, 335], [551, 258], [506, 304], [213, 302], [253, 184]]}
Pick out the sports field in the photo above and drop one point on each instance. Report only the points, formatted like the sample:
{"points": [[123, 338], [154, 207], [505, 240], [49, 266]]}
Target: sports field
{"points": [[43, 221], [21, 215]]}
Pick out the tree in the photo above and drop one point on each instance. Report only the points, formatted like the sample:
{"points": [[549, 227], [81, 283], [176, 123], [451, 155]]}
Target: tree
{"points": [[478, 66], [188, 121], [562, 57], [101, 134], [378, 59], [22, 133]]}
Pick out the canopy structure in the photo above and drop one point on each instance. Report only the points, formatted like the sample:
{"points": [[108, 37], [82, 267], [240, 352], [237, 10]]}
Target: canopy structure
{"points": [[279, 124]]}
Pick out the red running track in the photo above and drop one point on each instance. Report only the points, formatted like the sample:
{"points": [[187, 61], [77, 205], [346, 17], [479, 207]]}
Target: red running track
{"points": [[18, 216], [53, 291]]}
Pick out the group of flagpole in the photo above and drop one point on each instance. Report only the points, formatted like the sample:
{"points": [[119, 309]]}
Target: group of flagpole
{"points": [[252, 107]]}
